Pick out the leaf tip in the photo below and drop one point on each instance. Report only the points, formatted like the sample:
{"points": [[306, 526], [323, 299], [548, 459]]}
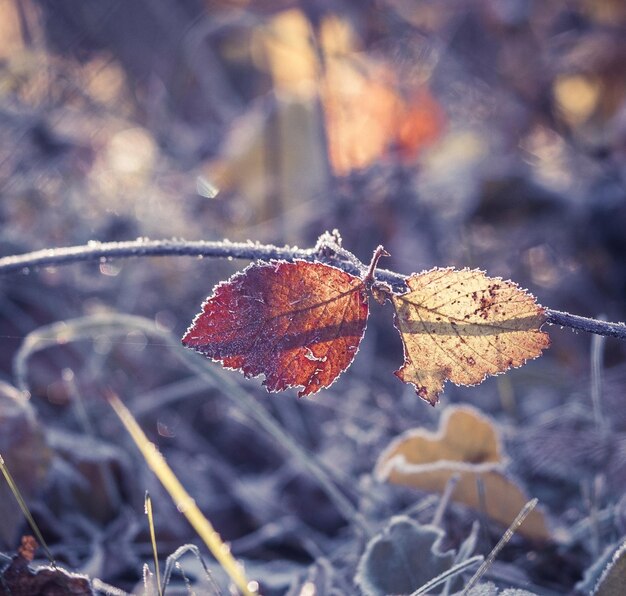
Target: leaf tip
{"points": [[430, 397]]}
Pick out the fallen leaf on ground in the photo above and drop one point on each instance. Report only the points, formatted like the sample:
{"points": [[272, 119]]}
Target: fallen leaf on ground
{"points": [[466, 445], [463, 326], [613, 580], [19, 579], [299, 324], [403, 557]]}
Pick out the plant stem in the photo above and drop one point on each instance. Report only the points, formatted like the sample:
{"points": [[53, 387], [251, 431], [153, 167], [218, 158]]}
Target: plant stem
{"points": [[155, 248], [565, 319], [380, 251], [250, 251]]}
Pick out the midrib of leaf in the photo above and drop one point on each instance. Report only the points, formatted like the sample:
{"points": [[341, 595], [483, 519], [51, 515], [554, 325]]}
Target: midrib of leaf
{"points": [[491, 325], [523, 294], [338, 334], [449, 356], [446, 353], [324, 303]]}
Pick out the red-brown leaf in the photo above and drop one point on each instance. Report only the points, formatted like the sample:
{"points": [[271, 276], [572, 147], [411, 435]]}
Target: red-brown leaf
{"points": [[19, 579], [299, 324]]}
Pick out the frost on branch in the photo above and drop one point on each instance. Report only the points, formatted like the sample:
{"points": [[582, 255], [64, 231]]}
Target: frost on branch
{"points": [[463, 326], [299, 324]]}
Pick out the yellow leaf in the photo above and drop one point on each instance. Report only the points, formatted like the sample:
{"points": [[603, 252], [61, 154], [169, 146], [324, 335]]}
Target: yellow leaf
{"points": [[11, 41], [462, 326], [283, 47], [466, 445]]}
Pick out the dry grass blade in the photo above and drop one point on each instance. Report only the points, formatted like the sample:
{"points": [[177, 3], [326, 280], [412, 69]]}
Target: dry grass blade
{"points": [[20, 500], [185, 504], [517, 522], [447, 575], [148, 508]]}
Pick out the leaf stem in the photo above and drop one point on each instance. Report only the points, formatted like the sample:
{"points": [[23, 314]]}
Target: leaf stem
{"points": [[251, 251], [380, 251]]}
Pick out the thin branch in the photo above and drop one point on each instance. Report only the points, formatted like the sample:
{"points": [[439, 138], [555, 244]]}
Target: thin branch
{"points": [[329, 253], [565, 319], [155, 248]]}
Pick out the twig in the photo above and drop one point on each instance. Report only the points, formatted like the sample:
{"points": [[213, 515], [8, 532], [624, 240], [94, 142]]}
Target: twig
{"points": [[94, 251], [565, 319], [250, 251]]}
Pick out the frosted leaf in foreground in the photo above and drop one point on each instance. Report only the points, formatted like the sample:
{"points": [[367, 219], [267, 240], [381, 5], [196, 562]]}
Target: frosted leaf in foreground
{"points": [[463, 326], [299, 324]]}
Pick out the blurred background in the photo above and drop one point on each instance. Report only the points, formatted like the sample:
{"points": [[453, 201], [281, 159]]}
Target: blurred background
{"points": [[486, 133]]}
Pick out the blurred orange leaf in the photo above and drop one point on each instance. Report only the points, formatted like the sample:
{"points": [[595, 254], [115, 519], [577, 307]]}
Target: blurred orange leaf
{"points": [[421, 123], [366, 116], [368, 110], [18, 578]]}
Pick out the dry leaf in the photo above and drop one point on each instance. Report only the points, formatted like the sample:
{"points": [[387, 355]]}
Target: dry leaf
{"points": [[18, 579], [421, 124], [369, 106], [299, 324], [466, 445], [404, 556], [463, 326], [613, 579], [361, 109], [366, 115]]}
